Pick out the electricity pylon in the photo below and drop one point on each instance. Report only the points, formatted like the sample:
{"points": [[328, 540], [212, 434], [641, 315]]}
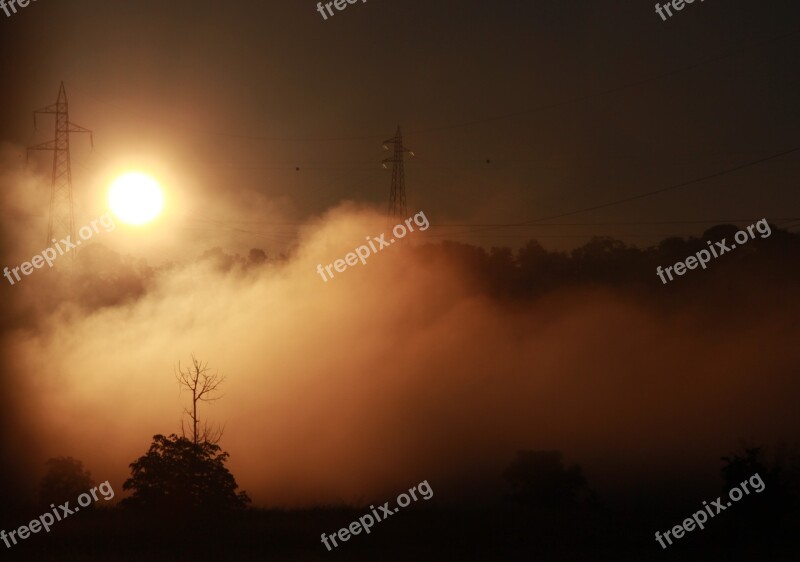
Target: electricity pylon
{"points": [[62, 216], [397, 194]]}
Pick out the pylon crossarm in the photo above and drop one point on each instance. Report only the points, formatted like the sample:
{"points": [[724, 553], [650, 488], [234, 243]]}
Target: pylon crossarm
{"points": [[73, 128], [49, 145], [52, 108], [49, 109]]}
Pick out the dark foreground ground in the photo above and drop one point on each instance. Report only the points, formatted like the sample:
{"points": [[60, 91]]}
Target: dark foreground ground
{"points": [[416, 534]]}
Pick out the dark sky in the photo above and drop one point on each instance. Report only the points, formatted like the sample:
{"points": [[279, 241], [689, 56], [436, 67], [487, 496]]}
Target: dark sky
{"points": [[606, 101]]}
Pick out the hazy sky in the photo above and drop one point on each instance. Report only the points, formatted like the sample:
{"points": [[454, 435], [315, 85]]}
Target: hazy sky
{"points": [[223, 102]]}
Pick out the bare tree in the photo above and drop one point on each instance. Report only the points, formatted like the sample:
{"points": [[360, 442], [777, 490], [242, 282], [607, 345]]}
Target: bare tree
{"points": [[203, 384]]}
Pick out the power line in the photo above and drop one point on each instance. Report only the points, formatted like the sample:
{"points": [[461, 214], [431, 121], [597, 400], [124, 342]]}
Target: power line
{"points": [[617, 223], [640, 195]]}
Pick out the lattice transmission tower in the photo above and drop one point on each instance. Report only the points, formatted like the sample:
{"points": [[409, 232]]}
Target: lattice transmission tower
{"points": [[397, 194], [61, 221]]}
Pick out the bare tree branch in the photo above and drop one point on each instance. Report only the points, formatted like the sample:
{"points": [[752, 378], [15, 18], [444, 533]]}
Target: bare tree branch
{"points": [[202, 383]]}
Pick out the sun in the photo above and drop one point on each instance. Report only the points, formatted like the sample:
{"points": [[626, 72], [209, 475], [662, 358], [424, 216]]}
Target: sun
{"points": [[135, 198]]}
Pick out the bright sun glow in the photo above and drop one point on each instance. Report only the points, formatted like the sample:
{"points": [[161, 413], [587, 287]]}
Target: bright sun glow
{"points": [[135, 198]]}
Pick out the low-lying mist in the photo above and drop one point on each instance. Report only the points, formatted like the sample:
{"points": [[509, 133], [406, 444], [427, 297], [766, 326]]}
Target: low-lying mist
{"points": [[422, 364]]}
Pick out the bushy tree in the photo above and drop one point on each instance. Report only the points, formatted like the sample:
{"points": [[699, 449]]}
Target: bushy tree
{"points": [[177, 475], [64, 480], [539, 478], [778, 498]]}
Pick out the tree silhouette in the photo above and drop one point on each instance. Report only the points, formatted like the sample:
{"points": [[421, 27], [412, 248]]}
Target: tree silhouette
{"points": [[65, 479], [177, 475], [256, 256], [778, 498], [739, 468], [202, 384], [539, 478]]}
